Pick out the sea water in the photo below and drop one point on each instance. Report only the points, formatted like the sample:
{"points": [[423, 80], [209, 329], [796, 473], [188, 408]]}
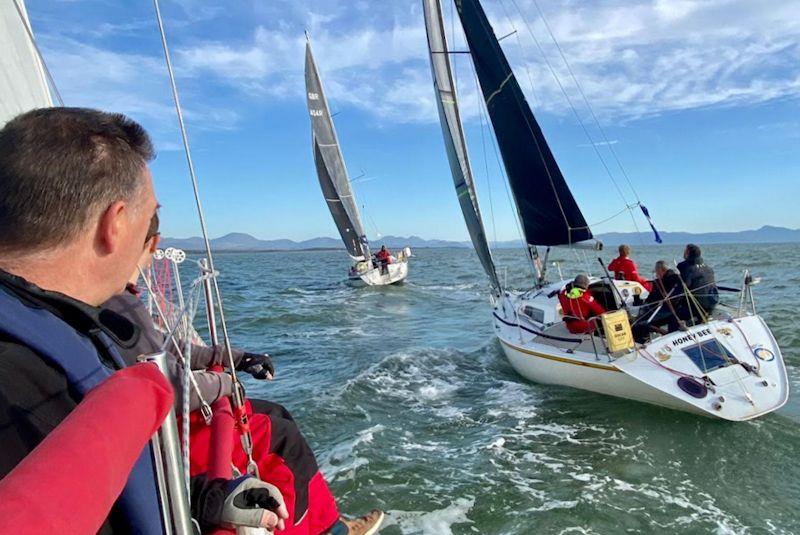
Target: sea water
{"points": [[411, 406]]}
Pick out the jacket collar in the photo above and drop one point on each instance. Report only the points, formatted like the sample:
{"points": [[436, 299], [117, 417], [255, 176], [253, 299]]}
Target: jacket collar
{"points": [[82, 317]]}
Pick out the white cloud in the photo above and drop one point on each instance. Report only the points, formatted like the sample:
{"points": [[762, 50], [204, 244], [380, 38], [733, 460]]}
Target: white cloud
{"points": [[633, 58]]}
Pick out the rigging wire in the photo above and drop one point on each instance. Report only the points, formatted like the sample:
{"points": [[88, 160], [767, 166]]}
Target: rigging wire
{"points": [[582, 124], [29, 31], [237, 397], [588, 105]]}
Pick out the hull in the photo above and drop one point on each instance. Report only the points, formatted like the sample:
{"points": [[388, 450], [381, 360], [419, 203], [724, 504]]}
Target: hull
{"points": [[735, 361], [395, 274]]}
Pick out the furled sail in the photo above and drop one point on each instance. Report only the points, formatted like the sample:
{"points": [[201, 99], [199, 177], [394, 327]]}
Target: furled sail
{"points": [[331, 170], [23, 84], [547, 209], [449, 116]]}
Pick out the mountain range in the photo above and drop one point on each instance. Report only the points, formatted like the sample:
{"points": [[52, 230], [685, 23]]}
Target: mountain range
{"points": [[238, 241]]}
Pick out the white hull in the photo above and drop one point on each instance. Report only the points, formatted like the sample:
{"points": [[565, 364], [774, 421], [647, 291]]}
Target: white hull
{"points": [[368, 275], [650, 372]]}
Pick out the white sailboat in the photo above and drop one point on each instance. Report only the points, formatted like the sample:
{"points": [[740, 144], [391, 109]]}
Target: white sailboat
{"points": [[727, 367], [338, 193]]}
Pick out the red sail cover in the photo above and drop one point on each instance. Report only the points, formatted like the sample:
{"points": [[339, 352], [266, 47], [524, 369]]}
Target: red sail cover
{"points": [[70, 481]]}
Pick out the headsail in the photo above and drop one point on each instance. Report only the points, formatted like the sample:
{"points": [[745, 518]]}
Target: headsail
{"points": [[331, 170], [23, 84], [449, 116], [547, 209]]}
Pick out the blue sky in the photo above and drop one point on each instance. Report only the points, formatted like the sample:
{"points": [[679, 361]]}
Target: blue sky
{"points": [[699, 98]]}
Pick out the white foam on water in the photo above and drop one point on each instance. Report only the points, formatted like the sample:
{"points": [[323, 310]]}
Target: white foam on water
{"points": [[341, 461], [437, 522]]}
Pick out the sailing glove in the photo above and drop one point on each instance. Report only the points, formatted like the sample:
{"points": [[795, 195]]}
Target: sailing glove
{"points": [[244, 501], [259, 366]]}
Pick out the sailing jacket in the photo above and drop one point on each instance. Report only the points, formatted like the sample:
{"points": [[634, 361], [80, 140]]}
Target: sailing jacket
{"points": [[700, 280], [625, 269], [212, 385], [53, 350], [579, 310]]}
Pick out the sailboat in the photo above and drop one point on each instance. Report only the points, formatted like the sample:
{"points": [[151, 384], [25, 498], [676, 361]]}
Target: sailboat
{"points": [[338, 193], [728, 367]]}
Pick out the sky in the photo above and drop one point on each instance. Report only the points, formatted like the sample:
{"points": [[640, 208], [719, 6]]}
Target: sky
{"points": [[698, 100]]}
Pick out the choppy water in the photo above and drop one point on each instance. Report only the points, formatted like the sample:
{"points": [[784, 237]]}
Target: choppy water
{"points": [[411, 406]]}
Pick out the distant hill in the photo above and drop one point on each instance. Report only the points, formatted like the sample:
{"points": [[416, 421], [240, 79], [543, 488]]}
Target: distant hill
{"points": [[238, 241]]}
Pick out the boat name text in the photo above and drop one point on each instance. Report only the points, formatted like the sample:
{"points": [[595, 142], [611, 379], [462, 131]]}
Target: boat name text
{"points": [[690, 337]]}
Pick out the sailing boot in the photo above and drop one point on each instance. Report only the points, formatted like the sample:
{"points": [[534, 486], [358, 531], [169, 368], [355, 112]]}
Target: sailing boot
{"points": [[368, 524]]}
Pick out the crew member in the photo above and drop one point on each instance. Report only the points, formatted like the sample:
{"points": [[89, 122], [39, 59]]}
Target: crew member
{"points": [[384, 256], [624, 268], [579, 307], [662, 304], [284, 457], [700, 281], [76, 197]]}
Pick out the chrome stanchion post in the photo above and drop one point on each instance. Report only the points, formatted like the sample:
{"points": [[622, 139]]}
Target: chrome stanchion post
{"points": [[173, 494]]}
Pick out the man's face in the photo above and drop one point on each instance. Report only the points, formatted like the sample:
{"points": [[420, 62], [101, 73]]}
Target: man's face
{"points": [[660, 272], [686, 253]]}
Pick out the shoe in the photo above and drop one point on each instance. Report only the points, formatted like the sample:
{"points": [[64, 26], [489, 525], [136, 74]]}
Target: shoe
{"points": [[363, 525]]}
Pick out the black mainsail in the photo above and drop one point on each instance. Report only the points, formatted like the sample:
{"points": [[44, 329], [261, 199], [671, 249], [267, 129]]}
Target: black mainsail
{"points": [[449, 116], [547, 209], [331, 171]]}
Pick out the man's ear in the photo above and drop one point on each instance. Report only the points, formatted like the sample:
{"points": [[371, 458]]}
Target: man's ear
{"points": [[154, 243], [110, 227]]}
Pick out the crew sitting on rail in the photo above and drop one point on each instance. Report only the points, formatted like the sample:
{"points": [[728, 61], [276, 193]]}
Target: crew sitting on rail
{"points": [[701, 283], [384, 256], [624, 268], [579, 307], [282, 453], [662, 304]]}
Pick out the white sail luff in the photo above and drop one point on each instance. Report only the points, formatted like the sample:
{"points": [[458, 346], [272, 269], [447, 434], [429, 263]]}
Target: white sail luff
{"points": [[23, 81]]}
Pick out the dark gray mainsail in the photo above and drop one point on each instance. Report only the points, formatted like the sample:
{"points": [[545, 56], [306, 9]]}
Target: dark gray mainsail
{"points": [[331, 171], [449, 116], [548, 211]]}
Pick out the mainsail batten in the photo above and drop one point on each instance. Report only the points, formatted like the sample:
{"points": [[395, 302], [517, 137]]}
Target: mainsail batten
{"points": [[455, 143], [331, 171], [547, 208], [23, 82]]}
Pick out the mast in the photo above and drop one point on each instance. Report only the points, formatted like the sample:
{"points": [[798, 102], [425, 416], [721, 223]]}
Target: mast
{"points": [[23, 80], [547, 209], [454, 140], [331, 171]]}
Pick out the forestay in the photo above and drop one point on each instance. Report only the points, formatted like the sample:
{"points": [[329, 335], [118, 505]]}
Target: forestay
{"points": [[329, 161], [449, 116], [23, 84], [547, 209]]}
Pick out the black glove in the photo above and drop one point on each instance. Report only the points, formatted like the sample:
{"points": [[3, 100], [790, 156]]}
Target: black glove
{"points": [[245, 501], [259, 366]]}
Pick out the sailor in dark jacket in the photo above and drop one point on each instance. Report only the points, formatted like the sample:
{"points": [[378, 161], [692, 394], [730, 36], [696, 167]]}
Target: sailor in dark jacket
{"points": [[76, 198], [660, 307], [700, 281]]}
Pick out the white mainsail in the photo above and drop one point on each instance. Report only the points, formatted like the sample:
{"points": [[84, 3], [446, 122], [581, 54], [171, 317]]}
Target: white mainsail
{"points": [[23, 82]]}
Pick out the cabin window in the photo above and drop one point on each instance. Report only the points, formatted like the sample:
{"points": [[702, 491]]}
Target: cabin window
{"points": [[536, 314]]}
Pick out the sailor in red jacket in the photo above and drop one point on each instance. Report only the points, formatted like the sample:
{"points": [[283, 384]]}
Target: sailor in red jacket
{"points": [[579, 307], [625, 269], [384, 256]]}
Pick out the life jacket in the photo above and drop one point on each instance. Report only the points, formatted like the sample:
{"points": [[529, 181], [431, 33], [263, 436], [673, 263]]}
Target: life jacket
{"points": [[59, 344], [578, 307]]}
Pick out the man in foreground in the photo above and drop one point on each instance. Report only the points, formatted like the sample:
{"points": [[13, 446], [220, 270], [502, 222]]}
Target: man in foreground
{"points": [[76, 199], [580, 309]]}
